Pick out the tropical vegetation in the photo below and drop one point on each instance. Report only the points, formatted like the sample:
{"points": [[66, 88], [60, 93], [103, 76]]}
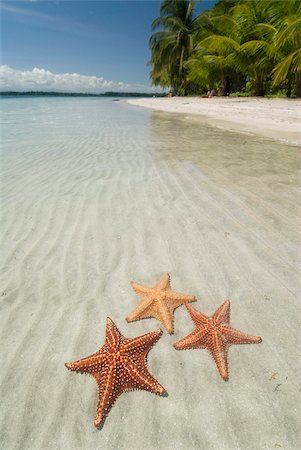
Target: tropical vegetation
{"points": [[238, 47]]}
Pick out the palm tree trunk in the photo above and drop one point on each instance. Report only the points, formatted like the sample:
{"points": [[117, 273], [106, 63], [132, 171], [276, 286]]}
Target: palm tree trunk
{"points": [[289, 87], [184, 83], [298, 85], [259, 92], [183, 71]]}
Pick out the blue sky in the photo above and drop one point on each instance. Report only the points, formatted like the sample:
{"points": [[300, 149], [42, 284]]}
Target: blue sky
{"points": [[104, 39]]}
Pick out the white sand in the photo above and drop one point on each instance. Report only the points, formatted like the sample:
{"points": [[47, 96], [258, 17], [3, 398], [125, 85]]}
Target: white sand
{"points": [[274, 118], [83, 216]]}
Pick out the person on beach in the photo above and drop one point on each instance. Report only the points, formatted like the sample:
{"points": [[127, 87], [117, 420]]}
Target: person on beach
{"points": [[211, 93]]}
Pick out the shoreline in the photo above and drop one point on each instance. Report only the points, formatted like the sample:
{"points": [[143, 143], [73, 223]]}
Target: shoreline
{"points": [[277, 119]]}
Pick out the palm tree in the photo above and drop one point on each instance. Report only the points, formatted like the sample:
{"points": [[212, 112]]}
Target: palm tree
{"points": [[172, 45], [258, 41], [288, 44], [258, 38], [241, 42], [217, 52]]}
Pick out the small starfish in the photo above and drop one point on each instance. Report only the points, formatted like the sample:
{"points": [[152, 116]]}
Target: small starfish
{"points": [[159, 302], [215, 334], [119, 366]]}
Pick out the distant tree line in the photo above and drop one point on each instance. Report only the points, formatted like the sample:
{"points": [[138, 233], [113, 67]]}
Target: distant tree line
{"points": [[239, 47], [74, 94]]}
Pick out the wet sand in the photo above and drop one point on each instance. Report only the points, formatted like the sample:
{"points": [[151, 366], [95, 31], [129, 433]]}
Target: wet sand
{"points": [[85, 214], [278, 119]]}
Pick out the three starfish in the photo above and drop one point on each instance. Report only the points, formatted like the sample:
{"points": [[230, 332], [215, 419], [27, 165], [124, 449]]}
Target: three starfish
{"points": [[158, 302], [119, 366], [121, 363], [215, 334]]}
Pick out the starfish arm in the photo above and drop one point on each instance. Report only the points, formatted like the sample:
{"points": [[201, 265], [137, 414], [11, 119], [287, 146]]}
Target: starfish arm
{"points": [[178, 296], [218, 350], [165, 316], [138, 377], [107, 393], [198, 318], [113, 335], [164, 283], [196, 339], [142, 343], [88, 364], [222, 314], [233, 336], [174, 299], [141, 310], [140, 290]]}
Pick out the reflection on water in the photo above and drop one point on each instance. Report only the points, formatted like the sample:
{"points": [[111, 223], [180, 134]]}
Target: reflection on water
{"points": [[233, 168], [234, 158]]}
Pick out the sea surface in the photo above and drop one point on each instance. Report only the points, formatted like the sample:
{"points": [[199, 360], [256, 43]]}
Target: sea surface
{"points": [[96, 193]]}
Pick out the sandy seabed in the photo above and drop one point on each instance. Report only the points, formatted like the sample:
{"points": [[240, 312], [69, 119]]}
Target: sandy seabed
{"points": [[83, 216]]}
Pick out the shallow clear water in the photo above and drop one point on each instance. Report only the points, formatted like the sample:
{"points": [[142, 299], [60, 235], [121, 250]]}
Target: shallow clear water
{"points": [[96, 193], [48, 119]]}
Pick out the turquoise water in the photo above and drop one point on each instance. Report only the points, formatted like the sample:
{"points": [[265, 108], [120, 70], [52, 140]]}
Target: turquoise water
{"points": [[95, 193], [49, 119]]}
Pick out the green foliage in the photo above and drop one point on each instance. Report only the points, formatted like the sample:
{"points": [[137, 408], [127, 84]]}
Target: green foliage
{"points": [[240, 94], [249, 89], [172, 45], [239, 47]]}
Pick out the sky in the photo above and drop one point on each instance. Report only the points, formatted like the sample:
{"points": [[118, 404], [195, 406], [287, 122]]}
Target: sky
{"points": [[79, 46]]}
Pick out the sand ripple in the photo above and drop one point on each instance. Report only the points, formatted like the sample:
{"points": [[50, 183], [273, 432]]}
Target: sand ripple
{"points": [[132, 195]]}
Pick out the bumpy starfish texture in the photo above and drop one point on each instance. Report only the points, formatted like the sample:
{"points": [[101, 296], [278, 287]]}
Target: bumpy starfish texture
{"points": [[215, 334], [158, 302], [119, 366]]}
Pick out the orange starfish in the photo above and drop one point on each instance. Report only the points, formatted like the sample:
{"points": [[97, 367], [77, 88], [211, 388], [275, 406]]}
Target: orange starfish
{"points": [[159, 302], [120, 365], [215, 334]]}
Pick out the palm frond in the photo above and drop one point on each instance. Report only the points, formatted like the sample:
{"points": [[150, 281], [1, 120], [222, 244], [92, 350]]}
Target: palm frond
{"points": [[290, 64], [222, 45]]}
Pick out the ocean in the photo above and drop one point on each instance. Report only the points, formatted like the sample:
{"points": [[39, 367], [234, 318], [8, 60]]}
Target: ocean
{"points": [[96, 193]]}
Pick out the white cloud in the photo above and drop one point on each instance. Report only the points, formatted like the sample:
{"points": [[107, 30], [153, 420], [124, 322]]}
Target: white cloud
{"points": [[23, 11], [44, 80], [49, 21]]}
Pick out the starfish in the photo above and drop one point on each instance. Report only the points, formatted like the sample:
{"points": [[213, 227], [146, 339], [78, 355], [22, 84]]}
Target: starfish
{"points": [[215, 334], [158, 302], [120, 365]]}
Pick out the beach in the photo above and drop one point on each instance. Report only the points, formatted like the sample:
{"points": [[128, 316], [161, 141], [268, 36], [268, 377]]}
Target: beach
{"points": [[96, 193], [278, 119]]}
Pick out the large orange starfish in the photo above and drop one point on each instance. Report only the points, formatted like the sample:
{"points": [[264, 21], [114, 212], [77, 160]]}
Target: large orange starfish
{"points": [[215, 334], [159, 302], [120, 365]]}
